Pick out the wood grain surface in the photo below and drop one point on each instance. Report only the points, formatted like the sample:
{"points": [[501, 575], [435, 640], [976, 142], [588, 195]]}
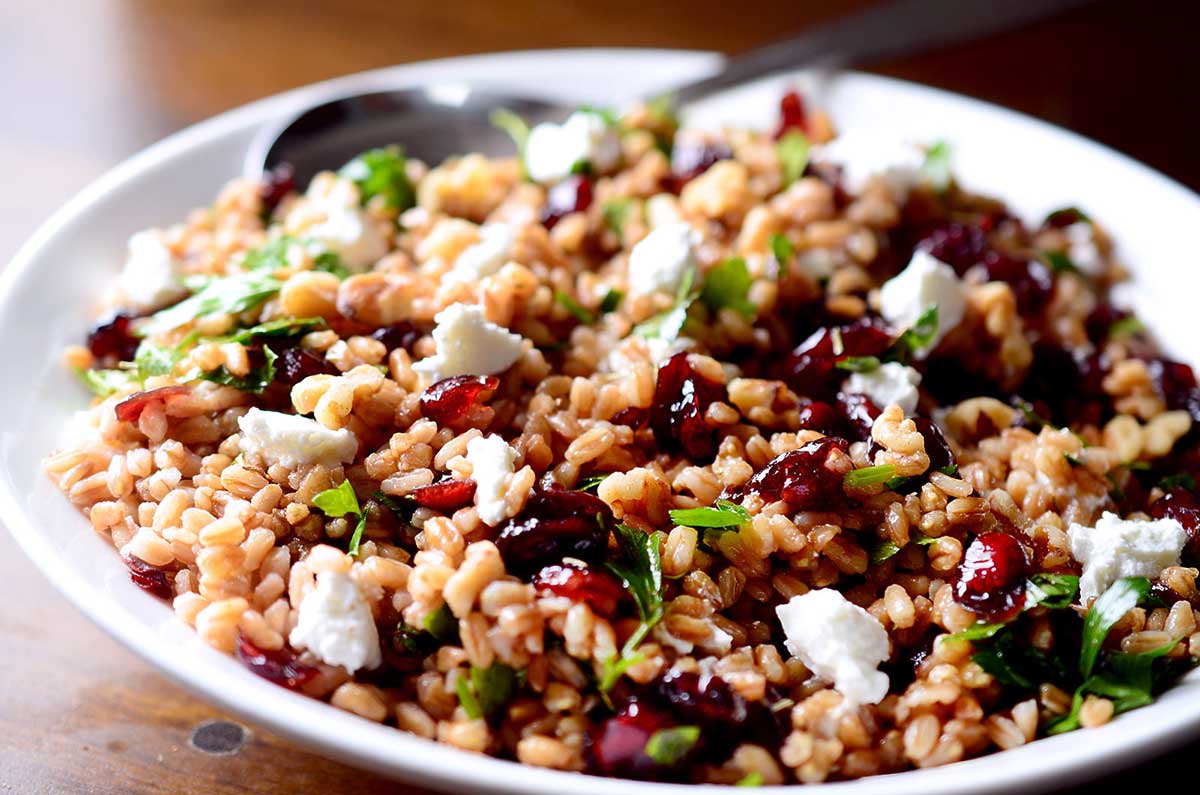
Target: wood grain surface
{"points": [[84, 83]]}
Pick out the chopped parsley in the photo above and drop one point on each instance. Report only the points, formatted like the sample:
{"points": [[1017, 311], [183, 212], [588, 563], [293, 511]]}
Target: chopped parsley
{"points": [[342, 501], [884, 551], [280, 327], [485, 690], [751, 779], [668, 325], [668, 747], [728, 285], [1059, 262], [591, 482], [1126, 327], [1054, 591], [1180, 480], [936, 168], [442, 625], [869, 476], [640, 570], [615, 212], [256, 381], [858, 364], [576, 309], [103, 383], [228, 295], [1121, 597], [612, 300], [792, 150], [917, 337], [782, 250], [723, 514], [381, 172], [516, 128]]}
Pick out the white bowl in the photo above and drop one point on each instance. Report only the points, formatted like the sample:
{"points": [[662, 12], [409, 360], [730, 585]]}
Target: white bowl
{"points": [[47, 296]]}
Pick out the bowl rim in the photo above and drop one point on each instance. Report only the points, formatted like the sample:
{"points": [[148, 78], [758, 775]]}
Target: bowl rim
{"points": [[384, 749]]}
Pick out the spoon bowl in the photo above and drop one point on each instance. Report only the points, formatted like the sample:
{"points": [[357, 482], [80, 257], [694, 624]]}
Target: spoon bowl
{"points": [[433, 122]]}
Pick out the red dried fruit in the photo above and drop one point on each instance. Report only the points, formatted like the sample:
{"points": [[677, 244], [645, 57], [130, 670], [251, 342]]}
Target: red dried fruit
{"points": [[634, 417], [618, 745], [555, 524], [452, 399], [936, 446], [708, 701], [580, 583], [150, 579], [1177, 384], [281, 666], [1067, 387], [802, 477], [860, 413], [275, 185], [681, 400], [296, 364], [791, 114], [1182, 506], [1032, 282], [991, 580], [445, 496], [817, 415], [691, 157], [572, 195], [958, 245], [398, 335], [112, 340], [131, 408], [811, 369]]}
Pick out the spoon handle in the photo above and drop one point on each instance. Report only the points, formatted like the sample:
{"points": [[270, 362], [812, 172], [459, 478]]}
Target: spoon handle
{"points": [[886, 30]]}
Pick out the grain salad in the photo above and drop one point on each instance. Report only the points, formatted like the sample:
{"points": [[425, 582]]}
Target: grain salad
{"points": [[742, 457]]}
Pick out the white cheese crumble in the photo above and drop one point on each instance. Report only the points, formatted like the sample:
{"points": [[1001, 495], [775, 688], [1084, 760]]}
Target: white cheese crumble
{"points": [[294, 441], [336, 624], [492, 462], [553, 151], [661, 259], [469, 344], [1117, 548], [1082, 249], [839, 642], [150, 279], [346, 230], [863, 155], [926, 282], [888, 383], [485, 257]]}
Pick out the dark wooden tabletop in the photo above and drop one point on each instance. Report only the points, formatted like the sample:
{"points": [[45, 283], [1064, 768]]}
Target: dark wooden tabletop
{"points": [[84, 84]]}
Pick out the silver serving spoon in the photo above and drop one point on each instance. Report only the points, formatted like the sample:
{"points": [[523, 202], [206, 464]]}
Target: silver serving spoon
{"points": [[436, 121]]}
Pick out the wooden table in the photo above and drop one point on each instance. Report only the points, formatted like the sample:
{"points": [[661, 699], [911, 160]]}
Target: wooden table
{"points": [[84, 84]]}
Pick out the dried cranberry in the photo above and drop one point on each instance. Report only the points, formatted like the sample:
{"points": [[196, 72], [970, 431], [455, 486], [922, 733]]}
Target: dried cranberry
{"points": [[580, 583], [1177, 385], [691, 157], [555, 524], [281, 666], [860, 413], [992, 577], [1032, 282], [1182, 506], [131, 408], [708, 701], [275, 185], [936, 446], [791, 114], [1065, 387], [618, 745], [572, 195], [450, 400], [811, 369], [681, 400], [112, 339], [296, 364], [445, 496], [802, 477], [634, 417], [1101, 320], [150, 579], [398, 335], [960, 246], [816, 415]]}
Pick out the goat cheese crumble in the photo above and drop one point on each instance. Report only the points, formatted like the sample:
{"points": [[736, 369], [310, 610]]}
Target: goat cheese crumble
{"points": [[1117, 548], [492, 462], [150, 278], [294, 441], [335, 623], [554, 151], [863, 155], [345, 230], [469, 344], [839, 642], [660, 260], [925, 283], [485, 257], [888, 383]]}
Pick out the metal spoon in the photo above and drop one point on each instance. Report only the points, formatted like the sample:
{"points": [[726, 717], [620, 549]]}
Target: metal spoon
{"points": [[436, 121]]}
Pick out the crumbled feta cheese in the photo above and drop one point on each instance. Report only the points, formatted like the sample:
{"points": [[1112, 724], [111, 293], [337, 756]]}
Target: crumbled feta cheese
{"points": [[863, 154], [491, 461], [336, 624], [294, 441], [1082, 251], [839, 642], [346, 230], [554, 151], [662, 258], [469, 344], [926, 282], [150, 279], [888, 383], [1117, 548], [485, 257]]}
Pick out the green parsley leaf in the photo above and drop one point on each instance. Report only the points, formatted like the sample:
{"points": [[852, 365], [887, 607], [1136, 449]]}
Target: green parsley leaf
{"points": [[1065, 216], [728, 285], [1106, 611], [869, 476], [153, 359], [1126, 327], [792, 150], [884, 551], [607, 115], [1017, 664], [280, 327], [1129, 682], [641, 570], [668, 747], [1059, 262], [615, 212], [980, 630], [271, 255], [1072, 459], [1054, 591], [576, 309], [1180, 480], [230, 295], [338, 501], [918, 337], [105, 382], [329, 262], [897, 483], [381, 172], [751, 779], [723, 514], [255, 382], [360, 527], [612, 299], [936, 168], [858, 364], [668, 325], [512, 124], [782, 250], [442, 625], [591, 482], [401, 509], [486, 690], [664, 109]]}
